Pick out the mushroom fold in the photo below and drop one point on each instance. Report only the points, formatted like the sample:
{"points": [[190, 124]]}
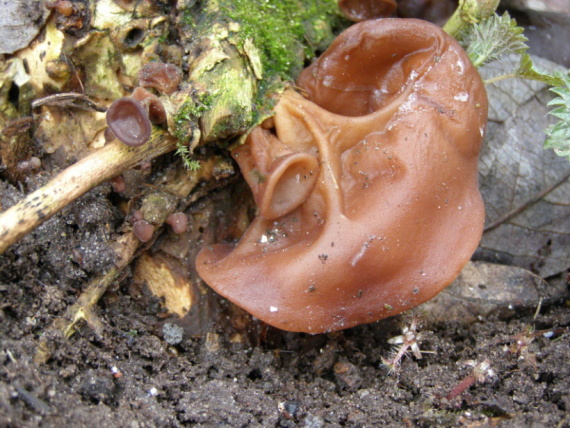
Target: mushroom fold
{"points": [[367, 188]]}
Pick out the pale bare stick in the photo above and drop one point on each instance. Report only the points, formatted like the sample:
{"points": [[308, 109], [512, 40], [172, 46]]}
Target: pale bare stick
{"points": [[125, 248], [70, 184]]}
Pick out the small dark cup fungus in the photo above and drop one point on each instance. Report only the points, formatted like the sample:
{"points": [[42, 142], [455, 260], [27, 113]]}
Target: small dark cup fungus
{"points": [[129, 121], [63, 7], [163, 77], [143, 230], [118, 184], [178, 222], [155, 108], [368, 192]]}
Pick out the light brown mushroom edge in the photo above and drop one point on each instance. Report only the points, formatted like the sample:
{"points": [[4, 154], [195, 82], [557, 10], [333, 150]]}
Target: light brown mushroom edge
{"points": [[366, 186]]}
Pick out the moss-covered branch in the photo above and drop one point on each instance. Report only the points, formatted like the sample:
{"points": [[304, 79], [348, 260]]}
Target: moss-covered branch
{"points": [[239, 53]]}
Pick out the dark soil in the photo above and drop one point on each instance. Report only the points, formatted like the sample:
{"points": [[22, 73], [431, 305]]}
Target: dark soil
{"points": [[143, 371]]}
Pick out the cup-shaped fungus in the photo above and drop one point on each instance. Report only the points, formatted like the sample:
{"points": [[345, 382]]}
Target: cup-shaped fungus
{"points": [[163, 77], [280, 177], [129, 121], [155, 109], [393, 121]]}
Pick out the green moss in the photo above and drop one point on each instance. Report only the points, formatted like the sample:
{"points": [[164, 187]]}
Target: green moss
{"points": [[189, 113], [196, 106], [163, 38], [244, 52], [190, 163], [286, 31]]}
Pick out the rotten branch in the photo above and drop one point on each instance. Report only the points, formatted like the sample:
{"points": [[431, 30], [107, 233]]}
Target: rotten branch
{"points": [[70, 184]]}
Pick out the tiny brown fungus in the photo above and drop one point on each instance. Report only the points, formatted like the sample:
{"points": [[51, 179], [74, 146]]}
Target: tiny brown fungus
{"points": [[135, 216], [163, 77], [143, 230], [156, 110], [118, 184], [64, 7], [129, 121], [178, 222], [367, 188]]}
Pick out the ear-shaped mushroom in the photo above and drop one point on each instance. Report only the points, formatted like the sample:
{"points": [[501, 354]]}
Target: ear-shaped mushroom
{"points": [[395, 117], [163, 77], [129, 121], [156, 110], [281, 178]]}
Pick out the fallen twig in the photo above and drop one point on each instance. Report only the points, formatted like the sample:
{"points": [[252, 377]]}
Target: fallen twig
{"points": [[96, 168], [69, 98], [184, 187], [126, 247]]}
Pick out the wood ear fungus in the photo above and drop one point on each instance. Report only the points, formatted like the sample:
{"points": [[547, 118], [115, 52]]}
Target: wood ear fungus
{"points": [[153, 105], [161, 76], [280, 178], [129, 121], [130, 118], [367, 189]]}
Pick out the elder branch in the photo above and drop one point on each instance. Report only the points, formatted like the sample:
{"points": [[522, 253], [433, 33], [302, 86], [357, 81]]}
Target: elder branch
{"points": [[70, 184]]}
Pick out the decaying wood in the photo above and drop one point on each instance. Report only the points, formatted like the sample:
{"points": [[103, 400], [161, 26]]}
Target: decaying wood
{"points": [[182, 187], [229, 83]]}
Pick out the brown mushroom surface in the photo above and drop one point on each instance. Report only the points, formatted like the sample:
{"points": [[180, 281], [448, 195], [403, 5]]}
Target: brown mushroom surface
{"points": [[128, 120], [164, 77], [367, 189], [153, 105]]}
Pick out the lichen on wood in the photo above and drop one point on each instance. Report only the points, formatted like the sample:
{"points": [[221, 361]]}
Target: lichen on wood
{"points": [[240, 54]]}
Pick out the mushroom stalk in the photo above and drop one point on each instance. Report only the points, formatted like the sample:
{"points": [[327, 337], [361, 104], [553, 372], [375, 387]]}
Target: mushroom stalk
{"points": [[73, 182]]}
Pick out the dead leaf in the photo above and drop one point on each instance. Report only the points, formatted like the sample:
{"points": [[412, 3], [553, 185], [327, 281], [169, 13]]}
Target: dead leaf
{"points": [[20, 23], [526, 188], [555, 6]]}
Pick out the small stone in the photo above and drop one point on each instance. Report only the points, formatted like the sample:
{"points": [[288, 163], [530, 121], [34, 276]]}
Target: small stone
{"points": [[313, 421], [173, 334]]}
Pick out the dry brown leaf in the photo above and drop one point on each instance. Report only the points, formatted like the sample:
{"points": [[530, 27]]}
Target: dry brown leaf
{"points": [[526, 188]]}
